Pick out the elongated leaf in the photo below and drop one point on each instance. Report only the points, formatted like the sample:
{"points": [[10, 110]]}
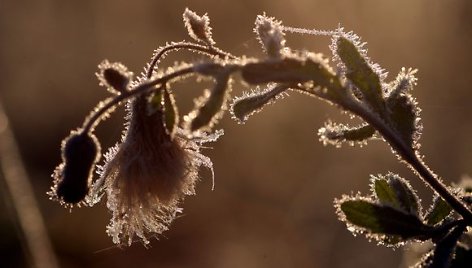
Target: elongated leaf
{"points": [[244, 106], [376, 218], [395, 191], [439, 210], [406, 196], [361, 74], [212, 105], [405, 115], [335, 134], [385, 193]]}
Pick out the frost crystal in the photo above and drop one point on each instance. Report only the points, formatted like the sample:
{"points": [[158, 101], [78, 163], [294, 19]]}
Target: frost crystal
{"points": [[147, 176]]}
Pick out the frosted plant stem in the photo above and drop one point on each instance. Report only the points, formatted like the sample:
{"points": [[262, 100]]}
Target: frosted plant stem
{"points": [[22, 197], [94, 119], [412, 159]]}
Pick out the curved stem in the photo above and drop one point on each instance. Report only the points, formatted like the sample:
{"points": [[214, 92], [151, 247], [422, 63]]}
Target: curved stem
{"points": [[212, 51], [411, 158], [103, 108]]}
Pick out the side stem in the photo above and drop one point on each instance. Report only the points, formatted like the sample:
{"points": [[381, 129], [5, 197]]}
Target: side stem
{"points": [[411, 158]]}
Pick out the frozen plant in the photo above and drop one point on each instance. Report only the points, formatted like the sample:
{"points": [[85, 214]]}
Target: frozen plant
{"points": [[146, 176]]}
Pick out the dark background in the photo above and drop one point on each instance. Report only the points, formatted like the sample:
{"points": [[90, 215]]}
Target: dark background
{"points": [[275, 183]]}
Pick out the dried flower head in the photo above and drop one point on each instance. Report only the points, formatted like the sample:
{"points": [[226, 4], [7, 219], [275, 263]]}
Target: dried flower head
{"points": [[147, 175]]}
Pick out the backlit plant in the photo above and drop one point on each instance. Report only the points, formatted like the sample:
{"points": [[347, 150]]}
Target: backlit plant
{"points": [[149, 172]]}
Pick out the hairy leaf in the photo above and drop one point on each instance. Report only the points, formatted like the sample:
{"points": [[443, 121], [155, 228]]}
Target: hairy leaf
{"points": [[376, 218], [212, 105], [252, 103], [385, 193], [405, 115], [395, 191], [438, 211], [361, 74], [335, 134]]}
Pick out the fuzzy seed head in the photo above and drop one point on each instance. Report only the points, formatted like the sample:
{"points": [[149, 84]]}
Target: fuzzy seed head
{"points": [[146, 176]]}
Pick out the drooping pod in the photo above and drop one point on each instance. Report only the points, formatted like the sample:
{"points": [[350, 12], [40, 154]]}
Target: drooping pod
{"points": [[72, 178]]}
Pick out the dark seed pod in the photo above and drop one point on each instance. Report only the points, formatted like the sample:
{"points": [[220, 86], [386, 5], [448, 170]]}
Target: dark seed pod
{"points": [[79, 153], [116, 79]]}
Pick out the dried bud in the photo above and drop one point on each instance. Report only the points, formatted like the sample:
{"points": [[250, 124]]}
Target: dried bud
{"points": [[253, 102], [198, 27], [115, 76], [72, 177], [270, 35]]}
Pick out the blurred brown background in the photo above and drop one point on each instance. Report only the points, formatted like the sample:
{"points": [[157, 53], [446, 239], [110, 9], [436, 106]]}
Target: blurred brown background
{"points": [[275, 183]]}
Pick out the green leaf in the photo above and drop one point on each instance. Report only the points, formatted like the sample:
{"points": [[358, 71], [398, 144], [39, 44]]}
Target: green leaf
{"points": [[361, 74], [244, 106], [406, 196], [438, 211], [403, 113], [211, 105], [335, 134], [385, 193], [395, 191], [170, 113], [379, 219]]}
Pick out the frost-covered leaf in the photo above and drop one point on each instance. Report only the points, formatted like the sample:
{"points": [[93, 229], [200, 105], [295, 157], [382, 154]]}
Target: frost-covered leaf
{"points": [[384, 193], [404, 114], [115, 76], [336, 134], [360, 73], [171, 115], [270, 35], [397, 192], [438, 211], [198, 27], [290, 70], [211, 105], [249, 104], [403, 83], [366, 216]]}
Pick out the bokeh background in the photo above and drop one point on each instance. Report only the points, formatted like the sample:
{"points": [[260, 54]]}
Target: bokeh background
{"points": [[275, 183]]}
